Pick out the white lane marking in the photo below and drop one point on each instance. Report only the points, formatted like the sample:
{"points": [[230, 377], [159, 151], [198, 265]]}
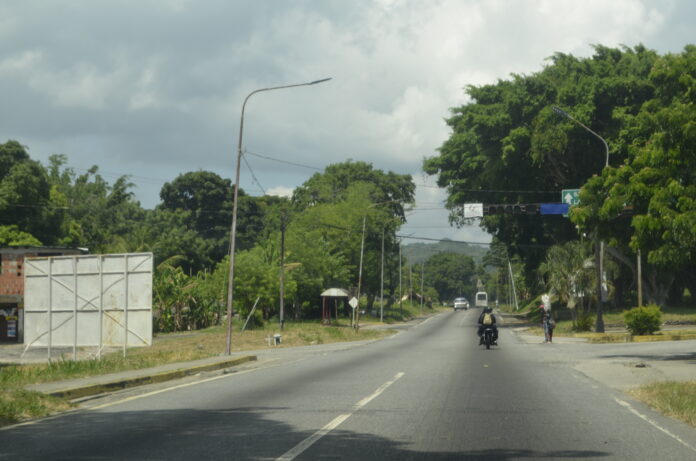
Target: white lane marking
{"points": [[309, 441], [653, 423]]}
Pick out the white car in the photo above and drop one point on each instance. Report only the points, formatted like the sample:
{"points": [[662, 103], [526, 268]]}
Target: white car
{"points": [[460, 303]]}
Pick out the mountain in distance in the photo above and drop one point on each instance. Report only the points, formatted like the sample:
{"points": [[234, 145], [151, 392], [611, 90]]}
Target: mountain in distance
{"points": [[416, 253]]}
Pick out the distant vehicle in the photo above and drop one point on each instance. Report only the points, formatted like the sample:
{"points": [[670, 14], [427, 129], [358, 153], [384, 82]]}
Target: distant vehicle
{"points": [[481, 299], [461, 303]]}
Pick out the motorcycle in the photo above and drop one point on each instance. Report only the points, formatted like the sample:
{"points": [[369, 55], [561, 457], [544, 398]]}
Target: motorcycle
{"points": [[488, 337]]}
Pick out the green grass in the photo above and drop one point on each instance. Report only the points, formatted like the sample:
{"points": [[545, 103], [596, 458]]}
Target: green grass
{"points": [[671, 398]]}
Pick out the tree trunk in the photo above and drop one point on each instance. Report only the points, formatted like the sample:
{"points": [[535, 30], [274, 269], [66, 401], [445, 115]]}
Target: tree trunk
{"points": [[657, 288]]}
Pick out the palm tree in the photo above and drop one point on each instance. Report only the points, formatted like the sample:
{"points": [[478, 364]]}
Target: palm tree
{"points": [[568, 274]]}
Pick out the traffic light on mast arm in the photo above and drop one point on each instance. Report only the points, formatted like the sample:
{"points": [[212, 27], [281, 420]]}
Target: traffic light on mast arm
{"points": [[516, 209]]}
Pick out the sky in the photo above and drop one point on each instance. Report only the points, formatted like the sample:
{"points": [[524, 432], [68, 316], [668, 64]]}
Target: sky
{"points": [[154, 88]]}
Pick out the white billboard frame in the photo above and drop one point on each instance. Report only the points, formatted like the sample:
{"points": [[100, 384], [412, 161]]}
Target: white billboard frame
{"points": [[88, 300]]}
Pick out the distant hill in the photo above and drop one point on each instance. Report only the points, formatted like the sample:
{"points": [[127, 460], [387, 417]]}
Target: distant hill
{"points": [[415, 253]]}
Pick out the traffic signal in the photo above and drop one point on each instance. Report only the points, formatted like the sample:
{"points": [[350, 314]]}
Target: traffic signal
{"points": [[493, 209], [531, 209], [517, 209]]}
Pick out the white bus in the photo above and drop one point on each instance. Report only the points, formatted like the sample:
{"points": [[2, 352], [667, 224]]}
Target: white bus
{"points": [[481, 299]]}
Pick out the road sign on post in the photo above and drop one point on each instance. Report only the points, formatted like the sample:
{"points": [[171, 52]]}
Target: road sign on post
{"points": [[570, 196]]}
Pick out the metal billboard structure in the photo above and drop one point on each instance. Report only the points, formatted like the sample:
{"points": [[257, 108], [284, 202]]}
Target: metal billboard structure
{"points": [[90, 300]]}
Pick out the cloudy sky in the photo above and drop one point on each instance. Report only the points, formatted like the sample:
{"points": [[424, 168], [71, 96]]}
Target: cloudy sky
{"points": [[154, 88]]}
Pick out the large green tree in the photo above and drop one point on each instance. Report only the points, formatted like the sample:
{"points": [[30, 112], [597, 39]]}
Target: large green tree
{"points": [[451, 275], [393, 190], [87, 210], [509, 146], [648, 202], [24, 192], [354, 201], [202, 204]]}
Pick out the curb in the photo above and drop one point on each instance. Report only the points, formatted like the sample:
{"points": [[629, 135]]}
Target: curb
{"points": [[627, 338], [124, 383], [654, 338]]}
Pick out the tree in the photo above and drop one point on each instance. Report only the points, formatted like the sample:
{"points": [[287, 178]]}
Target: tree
{"points": [[395, 191], [343, 200], [451, 275], [508, 145], [87, 211], [568, 274], [24, 191], [324, 243], [202, 201], [12, 236], [657, 181], [206, 196]]}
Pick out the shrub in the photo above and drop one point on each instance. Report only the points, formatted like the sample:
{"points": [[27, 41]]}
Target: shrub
{"points": [[643, 320], [584, 322]]}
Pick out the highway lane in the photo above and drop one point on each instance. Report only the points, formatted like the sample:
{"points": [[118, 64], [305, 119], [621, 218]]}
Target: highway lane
{"points": [[427, 393]]}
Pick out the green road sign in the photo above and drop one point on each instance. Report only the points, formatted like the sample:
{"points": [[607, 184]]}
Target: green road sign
{"points": [[570, 196]]}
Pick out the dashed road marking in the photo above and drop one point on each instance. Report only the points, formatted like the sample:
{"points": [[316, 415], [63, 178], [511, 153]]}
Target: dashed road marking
{"points": [[337, 421]]}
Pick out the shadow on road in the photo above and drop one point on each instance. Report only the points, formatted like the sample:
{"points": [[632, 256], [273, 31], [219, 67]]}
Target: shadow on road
{"points": [[233, 433]]}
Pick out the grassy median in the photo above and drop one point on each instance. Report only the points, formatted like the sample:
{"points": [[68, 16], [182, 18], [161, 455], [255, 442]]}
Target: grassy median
{"points": [[18, 404]]}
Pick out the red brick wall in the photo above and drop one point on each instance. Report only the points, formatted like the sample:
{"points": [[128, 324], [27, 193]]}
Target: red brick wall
{"points": [[12, 275]]}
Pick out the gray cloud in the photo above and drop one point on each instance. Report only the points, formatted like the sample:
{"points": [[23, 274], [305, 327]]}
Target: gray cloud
{"points": [[154, 88]]}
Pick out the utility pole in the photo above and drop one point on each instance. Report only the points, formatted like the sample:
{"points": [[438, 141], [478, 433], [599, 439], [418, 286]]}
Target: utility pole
{"points": [[640, 280], [410, 284], [282, 268], [381, 285], [401, 291], [422, 284], [362, 248]]}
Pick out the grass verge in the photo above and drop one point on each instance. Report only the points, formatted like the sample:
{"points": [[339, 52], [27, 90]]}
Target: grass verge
{"points": [[18, 404], [671, 398]]}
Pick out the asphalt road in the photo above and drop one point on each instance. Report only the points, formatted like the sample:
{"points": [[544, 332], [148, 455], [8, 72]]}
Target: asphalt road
{"points": [[427, 393]]}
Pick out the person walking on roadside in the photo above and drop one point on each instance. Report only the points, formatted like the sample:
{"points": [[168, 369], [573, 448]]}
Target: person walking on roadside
{"points": [[547, 324]]}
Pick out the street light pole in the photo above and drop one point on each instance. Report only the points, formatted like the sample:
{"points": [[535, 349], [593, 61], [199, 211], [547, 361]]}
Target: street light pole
{"points": [[599, 244], [233, 231], [565, 114]]}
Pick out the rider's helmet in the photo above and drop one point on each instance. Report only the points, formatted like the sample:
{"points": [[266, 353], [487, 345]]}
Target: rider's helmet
{"points": [[488, 309]]}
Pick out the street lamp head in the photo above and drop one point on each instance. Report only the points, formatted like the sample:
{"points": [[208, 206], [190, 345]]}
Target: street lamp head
{"points": [[320, 81], [560, 111]]}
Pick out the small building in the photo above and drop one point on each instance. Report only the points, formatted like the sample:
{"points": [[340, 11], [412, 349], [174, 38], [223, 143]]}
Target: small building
{"points": [[12, 285]]}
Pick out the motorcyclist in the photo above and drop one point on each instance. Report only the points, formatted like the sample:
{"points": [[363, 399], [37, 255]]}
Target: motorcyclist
{"points": [[487, 314]]}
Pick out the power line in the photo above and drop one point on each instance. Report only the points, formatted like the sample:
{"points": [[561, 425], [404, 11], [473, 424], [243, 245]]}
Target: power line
{"points": [[273, 159], [494, 191], [253, 176]]}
